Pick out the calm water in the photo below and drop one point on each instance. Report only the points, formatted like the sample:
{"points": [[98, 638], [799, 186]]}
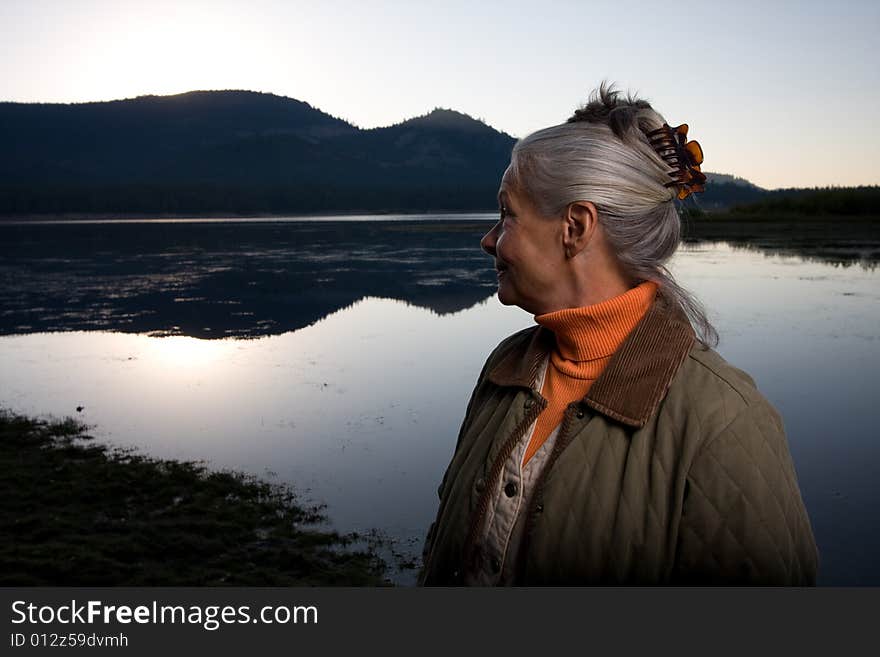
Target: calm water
{"points": [[339, 357]]}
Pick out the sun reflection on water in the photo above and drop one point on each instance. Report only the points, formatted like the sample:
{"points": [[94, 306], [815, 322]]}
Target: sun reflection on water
{"points": [[184, 353]]}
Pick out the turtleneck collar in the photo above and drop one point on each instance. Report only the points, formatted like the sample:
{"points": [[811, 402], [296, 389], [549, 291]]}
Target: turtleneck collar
{"points": [[595, 332]]}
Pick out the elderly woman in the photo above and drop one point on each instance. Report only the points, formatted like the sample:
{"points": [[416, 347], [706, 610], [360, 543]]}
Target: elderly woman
{"points": [[610, 444]]}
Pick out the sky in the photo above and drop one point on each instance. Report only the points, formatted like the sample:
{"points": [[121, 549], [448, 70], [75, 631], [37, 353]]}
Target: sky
{"points": [[786, 94]]}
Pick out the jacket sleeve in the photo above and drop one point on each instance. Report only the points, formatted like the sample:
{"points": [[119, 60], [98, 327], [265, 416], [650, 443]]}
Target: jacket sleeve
{"points": [[743, 520]]}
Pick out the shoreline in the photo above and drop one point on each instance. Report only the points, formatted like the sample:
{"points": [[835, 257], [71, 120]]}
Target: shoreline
{"points": [[148, 216], [714, 217], [77, 513]]}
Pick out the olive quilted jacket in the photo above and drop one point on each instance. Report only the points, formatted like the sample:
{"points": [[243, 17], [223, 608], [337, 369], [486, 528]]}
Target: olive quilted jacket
{"points": [[674, 469]]}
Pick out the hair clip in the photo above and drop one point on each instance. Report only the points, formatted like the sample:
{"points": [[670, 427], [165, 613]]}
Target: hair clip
{"points": [[685, 157]]}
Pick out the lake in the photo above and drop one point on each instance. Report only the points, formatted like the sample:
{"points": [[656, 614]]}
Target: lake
{"points": [[338, 356]]}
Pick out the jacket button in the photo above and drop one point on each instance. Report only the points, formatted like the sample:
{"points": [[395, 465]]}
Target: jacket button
{"points": [[539, 508], [496, 565], [480, 485], [580, 413], [529, 402], [510, 489]]}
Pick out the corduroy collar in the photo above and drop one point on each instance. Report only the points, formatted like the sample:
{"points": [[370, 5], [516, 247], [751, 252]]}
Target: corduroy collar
{"points": [[636, 378]]}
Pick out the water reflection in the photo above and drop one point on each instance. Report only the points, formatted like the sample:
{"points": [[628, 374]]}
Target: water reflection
{"points": [[230, 279], [215, 279], [359, 406], [841, 241]]}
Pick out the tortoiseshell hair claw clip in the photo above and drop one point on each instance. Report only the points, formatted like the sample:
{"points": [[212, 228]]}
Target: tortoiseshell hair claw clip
{"points": [[685, 157]]}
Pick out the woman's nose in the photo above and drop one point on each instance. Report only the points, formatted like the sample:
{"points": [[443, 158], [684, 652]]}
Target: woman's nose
{"points": [[488, 241]]}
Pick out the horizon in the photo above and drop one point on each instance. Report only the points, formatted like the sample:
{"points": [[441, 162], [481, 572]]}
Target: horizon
{"points": [[403, 120], [514, 66], [251, 91]]}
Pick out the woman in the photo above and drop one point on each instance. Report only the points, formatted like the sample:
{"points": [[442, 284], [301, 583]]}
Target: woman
{"points": [[610, 443]]}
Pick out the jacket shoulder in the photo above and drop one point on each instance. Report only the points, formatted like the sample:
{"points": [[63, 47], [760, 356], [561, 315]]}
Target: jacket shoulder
{"points": [[734, 379], [718, 392]]}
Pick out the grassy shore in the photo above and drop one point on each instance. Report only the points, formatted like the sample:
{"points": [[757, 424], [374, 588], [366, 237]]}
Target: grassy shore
{"points": [[76, 513], [733, 223], [777, 229]]}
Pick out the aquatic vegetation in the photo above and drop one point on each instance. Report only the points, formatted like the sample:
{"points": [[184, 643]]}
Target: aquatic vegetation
{"points": [[81, 514]]}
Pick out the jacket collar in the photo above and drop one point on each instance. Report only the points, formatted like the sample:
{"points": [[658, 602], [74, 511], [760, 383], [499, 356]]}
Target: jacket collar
{"points": [[636, 378]]}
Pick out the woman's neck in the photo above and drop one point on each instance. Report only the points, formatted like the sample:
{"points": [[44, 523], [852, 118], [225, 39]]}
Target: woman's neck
{"points": [[596, 330]]}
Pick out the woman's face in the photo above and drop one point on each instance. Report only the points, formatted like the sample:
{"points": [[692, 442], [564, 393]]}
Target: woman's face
{"points": [[528, 251]]}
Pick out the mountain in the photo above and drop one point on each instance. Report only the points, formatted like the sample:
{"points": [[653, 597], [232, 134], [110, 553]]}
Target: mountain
{"points": [[724, 191], [142, 138], [445, 118], [244, 152], [240, 151], [726, 179]]}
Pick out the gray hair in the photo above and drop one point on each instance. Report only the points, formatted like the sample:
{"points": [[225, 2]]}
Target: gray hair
{"points": [[601, 154]]}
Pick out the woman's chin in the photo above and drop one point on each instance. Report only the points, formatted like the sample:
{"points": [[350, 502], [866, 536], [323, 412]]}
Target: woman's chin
{"points": [[505, 296]]}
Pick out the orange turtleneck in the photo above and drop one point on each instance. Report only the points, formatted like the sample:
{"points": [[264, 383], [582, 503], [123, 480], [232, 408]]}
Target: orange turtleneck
{"points": [[586, 338]]}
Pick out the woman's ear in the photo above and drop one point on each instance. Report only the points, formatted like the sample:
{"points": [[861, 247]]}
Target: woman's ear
{"points": [[581, 219]]}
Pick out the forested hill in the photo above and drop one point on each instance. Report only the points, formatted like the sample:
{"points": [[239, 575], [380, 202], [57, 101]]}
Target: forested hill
{"points": [[861, 201], [243, 152]]}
